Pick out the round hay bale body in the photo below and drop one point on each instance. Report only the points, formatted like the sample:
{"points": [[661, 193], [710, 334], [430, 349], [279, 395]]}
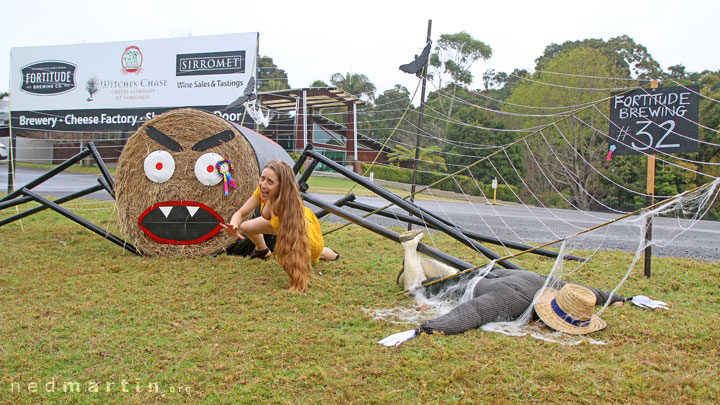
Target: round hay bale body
{"points": [[169, 192]]}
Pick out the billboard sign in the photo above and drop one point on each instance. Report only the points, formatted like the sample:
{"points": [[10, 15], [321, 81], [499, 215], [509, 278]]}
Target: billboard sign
{"points": [[116, 86], [662, 120]]}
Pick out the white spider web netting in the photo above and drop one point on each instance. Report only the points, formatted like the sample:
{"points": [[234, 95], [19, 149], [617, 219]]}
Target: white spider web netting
{"points": [[547, 147], [553, 165]]}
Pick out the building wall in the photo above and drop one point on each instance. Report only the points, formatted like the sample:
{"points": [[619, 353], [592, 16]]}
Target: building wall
{"points": [[30, 150], [55, 148]]}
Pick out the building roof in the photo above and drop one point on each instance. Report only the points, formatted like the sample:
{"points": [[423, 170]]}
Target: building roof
{"points": [[316, 97], [324, 121]]}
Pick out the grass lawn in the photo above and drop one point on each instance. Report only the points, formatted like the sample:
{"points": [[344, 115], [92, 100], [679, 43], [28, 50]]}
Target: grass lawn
{"points": [[79, 312], [332, 185]]}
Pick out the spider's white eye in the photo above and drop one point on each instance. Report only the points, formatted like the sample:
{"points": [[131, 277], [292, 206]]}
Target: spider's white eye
{"points": [[205, 169], [159, 166]]}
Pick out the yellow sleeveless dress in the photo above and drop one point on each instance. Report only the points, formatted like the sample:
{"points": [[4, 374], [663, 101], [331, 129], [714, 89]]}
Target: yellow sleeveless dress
{"points": [[311, 224]]}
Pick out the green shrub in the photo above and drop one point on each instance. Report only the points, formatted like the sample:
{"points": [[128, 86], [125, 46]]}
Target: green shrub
{"points": [[460, 184], [554, 200], [397, 174], [295, 156]]}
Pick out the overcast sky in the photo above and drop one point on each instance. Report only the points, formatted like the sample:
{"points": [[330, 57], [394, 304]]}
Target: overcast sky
{"points": [[314, 39]]}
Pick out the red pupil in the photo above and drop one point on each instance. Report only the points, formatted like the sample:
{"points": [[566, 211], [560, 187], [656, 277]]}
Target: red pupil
{"points": [[158, 166], [210, 168]]}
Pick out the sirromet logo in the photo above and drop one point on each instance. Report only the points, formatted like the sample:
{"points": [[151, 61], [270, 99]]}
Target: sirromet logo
{"points": [[48, 77], [211, 63]]}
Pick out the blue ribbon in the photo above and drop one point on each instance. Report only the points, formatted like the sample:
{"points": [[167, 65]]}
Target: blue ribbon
{"points": [[567, 318]]}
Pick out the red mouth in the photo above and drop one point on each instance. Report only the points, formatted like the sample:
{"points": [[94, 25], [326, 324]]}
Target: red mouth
{"points": [[180, 222]]}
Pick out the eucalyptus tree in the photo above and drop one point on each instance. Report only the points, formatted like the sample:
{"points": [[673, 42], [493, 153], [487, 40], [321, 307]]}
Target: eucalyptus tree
{"points": [[709, 83], [569, 148], [454, 56], [494, 80], [319, 83], [626, 54], [677, 71], [595, 64], [270, 77], [389, 114]]}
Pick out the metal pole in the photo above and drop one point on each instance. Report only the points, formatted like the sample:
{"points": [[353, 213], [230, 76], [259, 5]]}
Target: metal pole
{"points": [[299, 163], [410, 208], [649, 222], [305, 131], [394, 236], [651, 191], [106, 186], [296, 135], [21, 200], [483, 238], [103, 168], [355, 131], [11, 154], [420, 120], [87, 224], [57, 169], [308, 171], [473, 235], [339, 203]]}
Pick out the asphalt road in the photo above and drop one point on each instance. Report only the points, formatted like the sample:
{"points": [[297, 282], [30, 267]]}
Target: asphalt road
{"points": [[63, 183], [673, 237], [539, 225]]}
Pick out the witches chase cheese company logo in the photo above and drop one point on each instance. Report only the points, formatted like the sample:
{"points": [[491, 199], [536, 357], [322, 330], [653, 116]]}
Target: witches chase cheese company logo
{"points": [[48, 77], [132, 60], [210, 63]]}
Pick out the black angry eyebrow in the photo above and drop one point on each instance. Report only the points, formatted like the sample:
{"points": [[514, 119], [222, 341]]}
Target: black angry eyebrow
{"points": [[213, 141], [164, 140]]}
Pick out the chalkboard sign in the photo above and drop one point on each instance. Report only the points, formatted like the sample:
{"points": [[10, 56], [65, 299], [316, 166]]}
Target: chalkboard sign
{"points": [[662, 120]]}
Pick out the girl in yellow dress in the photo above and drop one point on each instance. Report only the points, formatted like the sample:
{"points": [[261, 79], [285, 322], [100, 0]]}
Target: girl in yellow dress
{"points": [[299, 238]]}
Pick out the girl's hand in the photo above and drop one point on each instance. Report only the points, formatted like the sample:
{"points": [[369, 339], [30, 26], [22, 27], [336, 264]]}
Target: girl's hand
{"points": [[232, 230]]}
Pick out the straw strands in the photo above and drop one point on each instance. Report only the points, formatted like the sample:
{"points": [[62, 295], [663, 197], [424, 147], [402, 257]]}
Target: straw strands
{"points": [[189, 227]]}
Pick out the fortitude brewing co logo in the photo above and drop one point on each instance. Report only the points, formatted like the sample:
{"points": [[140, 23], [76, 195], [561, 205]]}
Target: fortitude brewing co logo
{"points": [[132, 60], [210, 63], [48, 77]]}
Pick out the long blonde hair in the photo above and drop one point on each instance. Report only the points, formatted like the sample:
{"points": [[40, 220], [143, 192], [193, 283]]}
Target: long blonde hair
{"points": [[292, 249]]}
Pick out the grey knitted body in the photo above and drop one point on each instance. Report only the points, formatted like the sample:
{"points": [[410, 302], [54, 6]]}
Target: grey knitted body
{"points": [[499, 299]]}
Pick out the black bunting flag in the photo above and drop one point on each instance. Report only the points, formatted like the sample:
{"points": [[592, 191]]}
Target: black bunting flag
{"points": [[248, 95], [416, 67]]}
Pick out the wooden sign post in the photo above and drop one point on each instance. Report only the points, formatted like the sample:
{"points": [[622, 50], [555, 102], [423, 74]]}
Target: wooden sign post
{"points": [[649, 223]]}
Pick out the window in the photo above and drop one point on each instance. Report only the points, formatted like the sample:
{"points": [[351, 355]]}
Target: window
{"points": [[286, 141], [336, 155], [327, 137]]}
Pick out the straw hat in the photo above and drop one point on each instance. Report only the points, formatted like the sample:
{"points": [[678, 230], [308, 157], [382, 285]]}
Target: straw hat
{"points": [[569, 310]]}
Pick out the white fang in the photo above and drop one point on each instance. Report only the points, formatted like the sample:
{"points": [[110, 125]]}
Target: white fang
{"points": [[166, 210], [192, 210]]}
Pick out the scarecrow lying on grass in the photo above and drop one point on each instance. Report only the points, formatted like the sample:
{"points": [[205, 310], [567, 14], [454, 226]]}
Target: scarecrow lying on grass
{"points": [[565, 307]]}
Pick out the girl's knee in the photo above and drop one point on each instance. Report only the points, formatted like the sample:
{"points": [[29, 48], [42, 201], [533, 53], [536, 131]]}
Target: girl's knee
{"points": [[256, 226], [245, 228]]}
